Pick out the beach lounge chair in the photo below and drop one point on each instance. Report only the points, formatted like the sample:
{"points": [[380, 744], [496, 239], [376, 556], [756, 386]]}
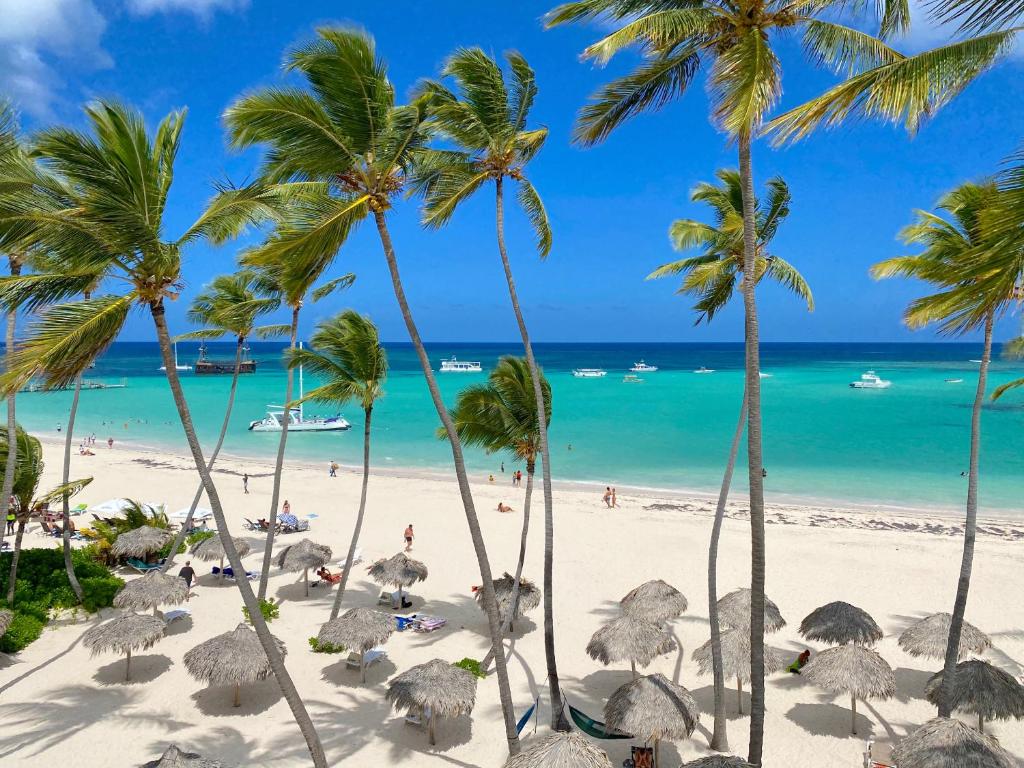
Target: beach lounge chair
{"points": [[140, 566], [249, 525], [357, 558], [229, 573], [80, 509], [429, 623], [177, 613], [370, 657], [418, 719], [403, 623], [388, 598]]}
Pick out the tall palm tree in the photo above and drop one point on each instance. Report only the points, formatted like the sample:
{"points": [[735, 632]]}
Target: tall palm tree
{"points": [[487, 118], [710, 278], [229, 305], [977, 282], [341, 151], [347, 352], [120, 176]]}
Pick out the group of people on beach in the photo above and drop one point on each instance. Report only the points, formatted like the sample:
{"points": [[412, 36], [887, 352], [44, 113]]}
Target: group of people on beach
{"points": [[610, 498]]}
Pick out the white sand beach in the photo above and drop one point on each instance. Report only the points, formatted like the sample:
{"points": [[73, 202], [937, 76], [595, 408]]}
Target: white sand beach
{"points": [[59, 706]]}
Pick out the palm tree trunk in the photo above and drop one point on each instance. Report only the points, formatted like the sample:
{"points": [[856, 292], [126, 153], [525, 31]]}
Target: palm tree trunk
{"points": [[69, 565], [268, 552], [970, 533], [12, 423], [259, 624], [15, 555], [720, 736], [558, 721], [853, 715], [209, 467], [490, 604], [336, 608], [754, 460]]}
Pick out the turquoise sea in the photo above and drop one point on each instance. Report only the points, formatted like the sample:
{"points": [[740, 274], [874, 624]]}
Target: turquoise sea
{"points": [[904, 446]]}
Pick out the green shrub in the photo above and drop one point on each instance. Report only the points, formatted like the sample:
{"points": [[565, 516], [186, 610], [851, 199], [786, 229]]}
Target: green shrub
{"points": [[24, 629], [268, 608], [319, 647], [471, 665], [98, 592], [196, 536]]}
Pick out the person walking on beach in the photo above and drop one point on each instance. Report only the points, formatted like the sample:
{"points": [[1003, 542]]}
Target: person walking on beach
{"points": [[187, 573], [11, 519], [615, 502], [245, 483], [607, 498], [408, 538], [332, 469]]}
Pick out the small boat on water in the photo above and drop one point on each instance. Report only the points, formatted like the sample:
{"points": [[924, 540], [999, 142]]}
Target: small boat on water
{"points": [[296, 418], [205, 366], [870, 380], [702, 369], [954, 381], [589, 373], [451, 365], [642, 367], [764, 375], [630, 378], [177, 365]]}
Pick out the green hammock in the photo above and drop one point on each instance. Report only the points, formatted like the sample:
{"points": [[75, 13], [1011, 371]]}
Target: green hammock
{"points": [[593, 727]]}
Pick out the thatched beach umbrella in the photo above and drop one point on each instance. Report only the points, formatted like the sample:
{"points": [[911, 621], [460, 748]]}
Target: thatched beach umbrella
{"points": [[124, 634], [359, 630], [628, 637], [140, 541], [560, 750], [852, 669], [928, 637], [734, 611], [981, 689], [398, 571], [652, 708], [433, 689], [656, 601], [176, 758], [949, 743], [233, 658], [303, 556], [5, 620], [839, 623], [718, 761], [529, 596], [736, 659], [213, 549], [151, 590]]}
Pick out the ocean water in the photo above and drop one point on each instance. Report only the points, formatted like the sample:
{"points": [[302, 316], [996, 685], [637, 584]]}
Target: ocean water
{"points": [[903, 446]]}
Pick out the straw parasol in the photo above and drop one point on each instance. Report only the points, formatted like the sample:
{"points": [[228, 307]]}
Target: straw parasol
{"points": [[5, 620], [949, 743], [398, 571], [213, 549], [734, 611], [176, 758], [839, 623], [656, 601], [653, 708], [981, 689], [124, 634], [151, 590], [140, 541], [303, 556], [358, 630], [929, 636], [432, 689], [560, 750], [852, 669], [736, 660], [628, 637], [529, 596], [234, 657], [718, 761]]}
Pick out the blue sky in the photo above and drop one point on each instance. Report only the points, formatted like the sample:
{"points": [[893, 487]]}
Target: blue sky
{"points": [[610, 206]]}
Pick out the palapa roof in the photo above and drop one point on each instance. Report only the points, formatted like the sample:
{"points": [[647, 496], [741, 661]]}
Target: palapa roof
{"points": [[5, 620], [303, 555], [838, 623], [628, 638], [736, 656], [655, 601], [213, 548], [448, 690], [734, 611], [176, 758], [560, 750], [358, 629], [949, 743], [140, 541], [980, 688], [233, 657], [718, 761], [150, 590], [851, 669], [652, 707], [126, 632], [928, 637], [529, 595], [398, 571]]}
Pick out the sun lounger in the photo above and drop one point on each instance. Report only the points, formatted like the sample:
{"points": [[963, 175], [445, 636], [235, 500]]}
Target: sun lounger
{"points": [[140, 566], [230, 574], [356, 558], [249, 525], [177, 613], [403, 623], [429, 623], [388, 598], [370, 657], [417, 719]]}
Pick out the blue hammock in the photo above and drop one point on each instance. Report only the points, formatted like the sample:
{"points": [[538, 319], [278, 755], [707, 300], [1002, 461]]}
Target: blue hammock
{"points": [[526, 717]]}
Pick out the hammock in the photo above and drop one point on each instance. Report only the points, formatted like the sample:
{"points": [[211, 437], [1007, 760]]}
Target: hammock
{"points": [[593, 727], [526, 717]]}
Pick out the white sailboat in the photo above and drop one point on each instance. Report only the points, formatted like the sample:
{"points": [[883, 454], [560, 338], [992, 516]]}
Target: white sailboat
{"points": [[296, 418], [177, 366]]}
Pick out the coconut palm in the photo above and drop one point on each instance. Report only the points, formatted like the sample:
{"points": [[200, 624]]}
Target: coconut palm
{"points": [[119, 177], [711, 277], [977, 283], [340, 152], [486, 118], [347, 352]]}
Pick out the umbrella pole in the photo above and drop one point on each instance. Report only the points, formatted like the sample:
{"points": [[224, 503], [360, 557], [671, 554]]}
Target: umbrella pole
{"points": [[305, 578], [430, 728], [853, 716], [401, 600], [362, 666], [739, 695], [656, 753], [128, 666], [981, 724], [238, 695], [632, 668], [222, 569]]}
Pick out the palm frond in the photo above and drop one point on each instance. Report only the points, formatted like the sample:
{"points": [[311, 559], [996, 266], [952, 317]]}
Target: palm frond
{"points": [[481, 86], [531, 203], [449, 188], [30, 293], [744, 84], [686, 234], [271, 331], [332, 286], [65, 491], [656, 32], [844, 48], [978, 15], [522, 90], [785, 274]]}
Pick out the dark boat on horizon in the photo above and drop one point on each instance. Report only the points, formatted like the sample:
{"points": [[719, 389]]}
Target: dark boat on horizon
{"points": [[206, 367]]}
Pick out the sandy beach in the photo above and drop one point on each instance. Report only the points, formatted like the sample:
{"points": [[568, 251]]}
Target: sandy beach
{"points": [[59, 706]]}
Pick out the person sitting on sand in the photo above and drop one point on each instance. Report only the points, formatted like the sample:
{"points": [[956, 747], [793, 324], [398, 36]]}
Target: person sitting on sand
{"points": [[801, 660], [503, 507]]}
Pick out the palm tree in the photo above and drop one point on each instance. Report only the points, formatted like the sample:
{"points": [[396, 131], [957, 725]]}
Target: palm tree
{"points": [[347, 352], [342, 151], [977, 282], [487, 120], [230, 304], [119, 177], [711, 278]]}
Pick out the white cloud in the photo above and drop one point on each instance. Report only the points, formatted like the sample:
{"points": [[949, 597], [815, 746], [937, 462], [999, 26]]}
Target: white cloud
{"points": [[201, 8]]}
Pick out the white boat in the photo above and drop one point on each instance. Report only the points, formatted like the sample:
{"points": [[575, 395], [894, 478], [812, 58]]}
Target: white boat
{"points": [[297, 420], [177, 366], [642, 367], [589, 373], [702, 369], [954, 381], [451, 365], [764, 375], [630, 378], [870, 380]]}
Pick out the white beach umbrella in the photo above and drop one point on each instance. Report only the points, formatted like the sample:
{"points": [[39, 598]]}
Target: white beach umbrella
{"points": [[201, 513]]}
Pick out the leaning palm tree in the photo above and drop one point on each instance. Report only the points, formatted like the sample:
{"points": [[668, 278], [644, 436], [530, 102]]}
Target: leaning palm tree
{"points": [[486, 118], [977, 283], [710, 277], [347, 352], [341, 151], [119, 177]]}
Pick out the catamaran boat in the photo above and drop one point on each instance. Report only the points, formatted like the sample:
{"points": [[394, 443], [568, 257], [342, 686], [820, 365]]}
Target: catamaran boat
{"points": [[702, 369], [177, 366], [296, 418], [642, 367], [451, 365], [870, 380], [589, 373]]}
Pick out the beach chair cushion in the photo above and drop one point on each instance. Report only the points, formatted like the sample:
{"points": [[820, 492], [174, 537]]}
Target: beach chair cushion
{"points": [[177, 613], [429, 623], [140, 566]]}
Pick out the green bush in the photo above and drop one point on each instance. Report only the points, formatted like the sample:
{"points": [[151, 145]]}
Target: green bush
{"points": [[24, 629], [98, 592], [471, 665], [268, 608], [196, 536], [319, 647]]}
